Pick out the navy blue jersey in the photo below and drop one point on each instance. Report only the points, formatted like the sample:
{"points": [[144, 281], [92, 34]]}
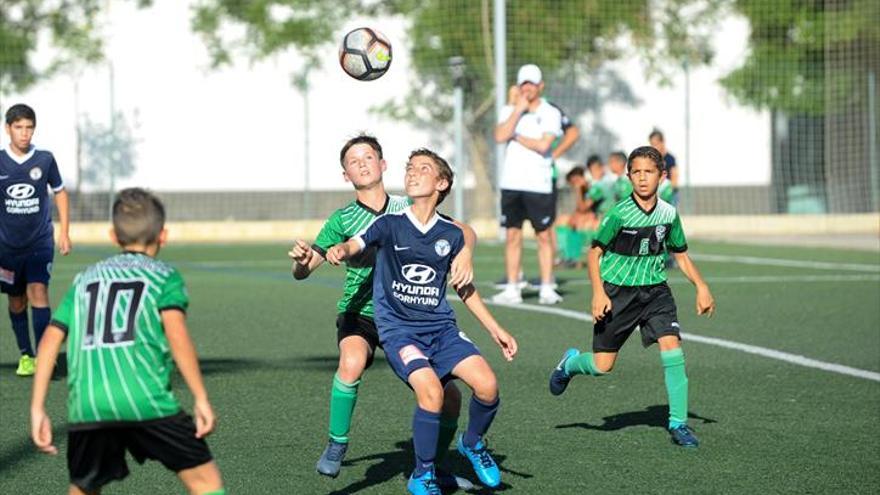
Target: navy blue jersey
{"points": [[409, 279], [26, 214]]}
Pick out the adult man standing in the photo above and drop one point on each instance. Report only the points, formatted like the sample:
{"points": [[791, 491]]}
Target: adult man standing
{"points": [[529, 127]]}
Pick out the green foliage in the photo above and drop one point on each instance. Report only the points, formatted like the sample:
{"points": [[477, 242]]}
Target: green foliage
{"points": [[71, 27], [806, 56], [272, 26]]}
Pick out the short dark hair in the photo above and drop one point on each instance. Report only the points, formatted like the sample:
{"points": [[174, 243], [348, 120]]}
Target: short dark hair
{"points": [[575, 171], [618, 155], [20, 111], [592, 160], [138, 217], [655, 133], [443, 169], [649, 152], [362, 138]]}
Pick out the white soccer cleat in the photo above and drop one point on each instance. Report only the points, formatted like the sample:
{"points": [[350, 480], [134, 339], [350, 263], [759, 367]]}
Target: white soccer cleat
{"points": [[549, 296], [510, 295]]}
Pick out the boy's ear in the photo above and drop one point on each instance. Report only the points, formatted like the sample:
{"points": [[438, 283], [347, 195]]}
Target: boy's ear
{"points": [[442, 185], [113, 236], [383, 165], [345, 176], [163, 237]]}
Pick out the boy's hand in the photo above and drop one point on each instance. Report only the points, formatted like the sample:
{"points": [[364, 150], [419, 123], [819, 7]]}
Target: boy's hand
{"points": [[41, 432], [506, 342], [462, 273], [336, 254], [301, 253], [64, 244], [705, 301], [601, 305], [521, 104], [205, 419]]}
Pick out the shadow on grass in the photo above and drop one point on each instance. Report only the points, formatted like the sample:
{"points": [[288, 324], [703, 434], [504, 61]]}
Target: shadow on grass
{"points": [[328, 363], [655, 416], [23, 451], [397, 465]]}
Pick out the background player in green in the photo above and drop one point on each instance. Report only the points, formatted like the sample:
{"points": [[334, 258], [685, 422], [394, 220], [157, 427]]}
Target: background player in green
{"points": [[363, 166], [622, 185], [124, 319], [628, 275]]}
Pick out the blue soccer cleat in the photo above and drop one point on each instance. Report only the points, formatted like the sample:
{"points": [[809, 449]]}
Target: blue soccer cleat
{"points": [[448, 481], [426, 484], [559, 378], [683, 435], [331, 460], [484, 465]]}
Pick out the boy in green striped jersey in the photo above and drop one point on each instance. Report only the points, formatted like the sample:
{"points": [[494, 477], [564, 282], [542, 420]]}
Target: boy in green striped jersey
{"points": [[357, 337], [622, 185], [124, 319], [628, 275]]}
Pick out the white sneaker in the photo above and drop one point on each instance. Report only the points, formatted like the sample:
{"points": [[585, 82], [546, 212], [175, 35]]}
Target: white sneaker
{"points": [[510, 295], [549, 296]]}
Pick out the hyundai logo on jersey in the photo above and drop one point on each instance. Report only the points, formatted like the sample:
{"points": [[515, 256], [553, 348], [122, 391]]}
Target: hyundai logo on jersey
{"points": [[418, 274], [420, 293], [20, 191]]}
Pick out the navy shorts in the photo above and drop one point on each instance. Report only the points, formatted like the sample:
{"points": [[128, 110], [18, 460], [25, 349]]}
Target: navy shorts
{"points": [[30, 267], [441, 350]]}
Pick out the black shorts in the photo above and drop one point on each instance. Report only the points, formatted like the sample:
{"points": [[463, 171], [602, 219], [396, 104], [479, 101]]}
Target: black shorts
{"points": [[649, 307], [348, 324], [96, 455], [538, 208]]}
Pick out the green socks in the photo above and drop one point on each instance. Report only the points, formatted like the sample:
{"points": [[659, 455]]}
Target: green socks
{"points": [[676, 386], [343, 397], [221, 491], [448, 425], [582, 364]]}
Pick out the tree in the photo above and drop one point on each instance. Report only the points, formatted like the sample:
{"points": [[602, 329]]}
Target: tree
{"points": [[71, 27], [799, 50], [561, 36]]}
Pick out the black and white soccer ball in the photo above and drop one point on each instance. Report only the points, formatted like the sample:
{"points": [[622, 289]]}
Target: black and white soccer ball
{"points": [[365, 54]]}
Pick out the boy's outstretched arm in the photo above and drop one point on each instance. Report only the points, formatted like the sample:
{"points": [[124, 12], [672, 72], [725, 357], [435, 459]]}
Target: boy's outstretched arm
{"points": [[344, 250], [184, 353], [601, 303], [305, 259], [462, 269], [705, 301], [477, 307], [41, 425]]}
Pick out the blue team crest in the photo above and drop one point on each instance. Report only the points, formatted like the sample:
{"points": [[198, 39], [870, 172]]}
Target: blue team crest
{"points": [[36, 173], [442, 247]]}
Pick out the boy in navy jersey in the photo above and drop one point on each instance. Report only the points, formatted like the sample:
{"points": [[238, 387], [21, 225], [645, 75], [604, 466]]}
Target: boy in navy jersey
{"points": [[417, 326], [26, 235]]}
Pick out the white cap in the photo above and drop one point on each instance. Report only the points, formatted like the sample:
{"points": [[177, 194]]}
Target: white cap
{"points": [[528, 73]]}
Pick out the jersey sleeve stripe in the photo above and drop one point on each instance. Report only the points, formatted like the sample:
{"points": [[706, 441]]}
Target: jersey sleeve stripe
{"points": [[61, 326]]}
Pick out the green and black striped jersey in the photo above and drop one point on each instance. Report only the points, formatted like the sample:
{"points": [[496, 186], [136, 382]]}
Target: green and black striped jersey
{"points": [[635, 242], [343, 224], [118, 358]]}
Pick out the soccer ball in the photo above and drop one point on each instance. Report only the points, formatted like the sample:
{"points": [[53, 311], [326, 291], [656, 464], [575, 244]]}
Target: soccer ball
{"points": [[365, 54]]}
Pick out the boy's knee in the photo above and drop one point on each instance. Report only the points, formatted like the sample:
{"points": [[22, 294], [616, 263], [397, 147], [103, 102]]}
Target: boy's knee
{"points": [[668, 342], [38, 295], [430, 397], [487, 389], [351, 367], [17, 304]]}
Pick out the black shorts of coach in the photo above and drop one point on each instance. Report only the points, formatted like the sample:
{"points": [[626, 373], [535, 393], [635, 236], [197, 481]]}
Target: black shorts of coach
{"points": [[538, 208], [96, 452], [348, 324], [649, 307]]}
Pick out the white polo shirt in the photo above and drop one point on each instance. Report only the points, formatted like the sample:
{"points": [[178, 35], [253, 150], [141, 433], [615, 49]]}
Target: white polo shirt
{"points": [[524, 169]]}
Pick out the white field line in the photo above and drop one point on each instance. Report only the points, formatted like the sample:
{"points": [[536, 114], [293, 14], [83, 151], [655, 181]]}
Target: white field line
{"points": [[727, 344], [744, 279], [755, 260]]}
